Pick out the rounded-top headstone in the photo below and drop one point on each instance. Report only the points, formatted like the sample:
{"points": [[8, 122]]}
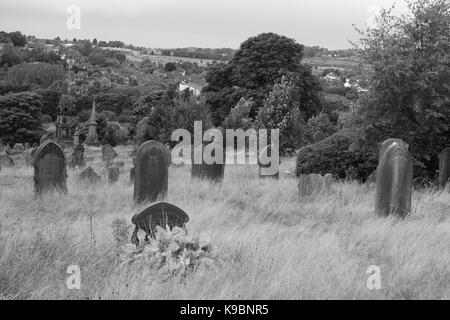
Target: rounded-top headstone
{"points": [[160, 214], [394, 179], [49, 168], [151, 172]]}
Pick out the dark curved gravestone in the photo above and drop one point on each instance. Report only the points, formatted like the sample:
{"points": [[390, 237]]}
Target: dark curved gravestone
{"points": [[160, 214], [394, 179], [444, 167], [151, 172], [89, 175], [213, 172], [49, 168]]}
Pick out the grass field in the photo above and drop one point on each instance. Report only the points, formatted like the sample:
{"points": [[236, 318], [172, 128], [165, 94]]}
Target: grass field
{"points": [[270, 243]]}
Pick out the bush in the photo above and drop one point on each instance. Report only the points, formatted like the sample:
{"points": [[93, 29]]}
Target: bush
{"points": [[338, 156], [20, 115], [173, 251], [45, 118], [113, 134]]}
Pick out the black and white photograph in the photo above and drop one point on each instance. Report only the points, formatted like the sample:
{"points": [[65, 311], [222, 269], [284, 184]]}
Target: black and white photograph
{"points": [[224, 155]]}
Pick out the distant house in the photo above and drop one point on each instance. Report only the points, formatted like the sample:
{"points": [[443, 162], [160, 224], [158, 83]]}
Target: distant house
{"points": [[350, 83], [194, 89], [330, 77]]}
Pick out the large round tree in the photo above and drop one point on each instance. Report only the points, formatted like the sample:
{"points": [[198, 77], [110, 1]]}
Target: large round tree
{"points": [[409, 97], [252, 72], [20, 117]]}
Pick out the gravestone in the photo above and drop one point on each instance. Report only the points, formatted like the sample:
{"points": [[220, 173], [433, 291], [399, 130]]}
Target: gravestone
{"points": [[311, 184], [119, 164], [444, 167], [78, 156], [6, 160], [89, 175], [213, 172], [160, 214], [49, 168], [108, 154], [267, 152], [151, 172], [328, 180], [394, 179], [18, 147], [29, 156], [132, 175], [113, 174]]}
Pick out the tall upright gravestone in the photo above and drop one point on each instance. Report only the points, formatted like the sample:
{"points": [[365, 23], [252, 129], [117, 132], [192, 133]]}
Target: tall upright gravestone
{"points": [[394, 179], [108, 154], [151, 172], [444, 167], [78, 156], [49, 168]]}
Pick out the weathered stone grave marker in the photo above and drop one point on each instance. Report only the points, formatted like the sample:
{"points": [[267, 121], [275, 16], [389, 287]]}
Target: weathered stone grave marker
{"points": [[213, 172], [132, 175], [444, 167], [108, 154], [310, 184], [151, 172], [113, 174], [160, 214], [78, 156], [29, 156], [89, 175], [49, 168], [394, 179]]}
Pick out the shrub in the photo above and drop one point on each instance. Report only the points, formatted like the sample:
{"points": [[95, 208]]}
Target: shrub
{"points": [[337, 155], [20, 115], [173, 251]]}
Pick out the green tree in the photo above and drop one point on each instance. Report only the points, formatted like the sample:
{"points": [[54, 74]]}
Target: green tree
{"points": [[18, 39], [9, 56], [281, 112], [170, 66], [85, 49], [36, 75], [20, 115], [252, 72], [50, 101], [409, 96]]}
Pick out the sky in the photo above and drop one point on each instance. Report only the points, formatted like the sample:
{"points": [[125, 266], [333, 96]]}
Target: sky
{"points": [[193, 23]]}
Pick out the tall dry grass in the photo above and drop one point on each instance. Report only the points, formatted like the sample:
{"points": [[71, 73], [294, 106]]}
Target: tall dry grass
{"points": [[270, 243]]}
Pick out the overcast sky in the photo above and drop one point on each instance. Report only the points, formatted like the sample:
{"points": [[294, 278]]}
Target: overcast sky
{"points": [[197, 23]]}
